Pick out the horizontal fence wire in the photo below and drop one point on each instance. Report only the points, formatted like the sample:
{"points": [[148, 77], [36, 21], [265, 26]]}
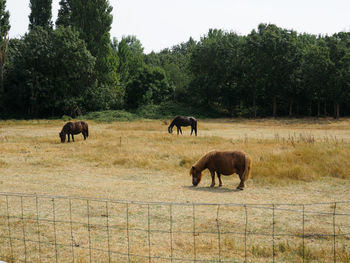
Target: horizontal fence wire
{"points": [[48, 228]]}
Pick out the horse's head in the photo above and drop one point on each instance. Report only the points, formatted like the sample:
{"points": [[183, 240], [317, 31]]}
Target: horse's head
{"points": [[196, 175], [170, 129], [63, 137]]}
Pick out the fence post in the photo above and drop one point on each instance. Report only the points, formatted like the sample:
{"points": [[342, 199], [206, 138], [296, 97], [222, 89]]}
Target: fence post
{"points": [[9, 226], [334, 234], [107, 226], [303, 233], [245, 233], [54, 226], [219, 237], [273, 233], [38, 227], [127, 229], [71, 227], [24, 233], [149, 234], [194, 233], [88, 218], [171, 231]]}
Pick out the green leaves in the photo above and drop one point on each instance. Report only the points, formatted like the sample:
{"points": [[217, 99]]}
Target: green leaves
{"points": [[40, 14]]}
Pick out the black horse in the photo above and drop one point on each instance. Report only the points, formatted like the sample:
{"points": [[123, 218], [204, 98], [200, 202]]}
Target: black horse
{"points": [[183, 121], [72, 128]]}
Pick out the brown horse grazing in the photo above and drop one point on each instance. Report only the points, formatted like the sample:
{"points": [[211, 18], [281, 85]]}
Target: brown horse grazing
{"points": [[225, 163], [72, 128], [179, 121]]}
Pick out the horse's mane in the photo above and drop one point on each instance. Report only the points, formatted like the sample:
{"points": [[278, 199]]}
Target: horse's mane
{"points": [[173, 122], [200, 164]]}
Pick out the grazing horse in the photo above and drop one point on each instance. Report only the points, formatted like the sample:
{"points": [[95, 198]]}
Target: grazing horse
{"points": [[226, 163], [183, 121], [72, 128]]}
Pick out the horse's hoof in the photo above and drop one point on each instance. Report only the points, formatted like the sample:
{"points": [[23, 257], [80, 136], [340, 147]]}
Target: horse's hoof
{"points": [[212, 185], [240, 188], [220, 185]]}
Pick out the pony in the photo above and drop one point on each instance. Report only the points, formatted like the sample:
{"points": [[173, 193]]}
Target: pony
{"points": [[183, 121], [72, 128], [226, 163]]}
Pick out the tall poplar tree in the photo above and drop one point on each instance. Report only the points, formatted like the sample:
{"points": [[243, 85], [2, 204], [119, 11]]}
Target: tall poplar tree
{"points": [[93, 20], [63, 18], [41, 14], [4, 29]]}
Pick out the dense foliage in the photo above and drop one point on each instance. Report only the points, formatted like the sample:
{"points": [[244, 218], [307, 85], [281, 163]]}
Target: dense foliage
{"points": [[76, 68], [4, 29]]}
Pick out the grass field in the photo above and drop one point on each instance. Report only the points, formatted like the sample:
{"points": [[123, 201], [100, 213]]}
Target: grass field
{"points": [[294, 161]]}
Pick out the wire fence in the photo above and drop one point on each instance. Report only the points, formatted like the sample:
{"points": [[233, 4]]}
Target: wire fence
{"points": [[44, 228]]}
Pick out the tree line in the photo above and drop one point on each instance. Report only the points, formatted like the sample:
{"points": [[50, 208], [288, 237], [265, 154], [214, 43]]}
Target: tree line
{"points": [[73, 66]]}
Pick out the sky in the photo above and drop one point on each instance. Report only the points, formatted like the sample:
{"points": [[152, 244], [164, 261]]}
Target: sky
{"points": [[160, 24]]}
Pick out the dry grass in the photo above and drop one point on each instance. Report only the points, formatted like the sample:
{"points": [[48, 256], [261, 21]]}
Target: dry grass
{"points": [[294, 161]]}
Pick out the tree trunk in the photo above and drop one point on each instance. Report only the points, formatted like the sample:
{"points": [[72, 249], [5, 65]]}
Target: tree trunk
{"points": [[254, 105], [291, 108], [297, 113], [1, 80], [274, 106], [309, 109], [2, 91], [336, 110]]}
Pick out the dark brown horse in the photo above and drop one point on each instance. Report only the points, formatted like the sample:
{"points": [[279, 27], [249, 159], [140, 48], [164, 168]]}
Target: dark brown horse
{"points": [[72, 128], [225, 163], [183, 121]]}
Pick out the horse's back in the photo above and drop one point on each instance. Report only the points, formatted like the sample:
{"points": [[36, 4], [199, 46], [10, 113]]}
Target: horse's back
{"points": [[226, 162], [78, 127]]}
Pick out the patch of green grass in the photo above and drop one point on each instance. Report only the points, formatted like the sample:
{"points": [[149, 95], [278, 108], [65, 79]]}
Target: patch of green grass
{"points": [[171, 109], [109, 116]]}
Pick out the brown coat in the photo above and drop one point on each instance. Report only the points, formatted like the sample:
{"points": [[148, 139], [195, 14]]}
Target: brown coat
{"points": [[223, 163], [72, 128]]}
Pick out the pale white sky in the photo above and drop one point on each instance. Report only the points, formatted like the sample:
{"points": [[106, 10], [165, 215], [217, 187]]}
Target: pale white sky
{"points": [[160, 24]]}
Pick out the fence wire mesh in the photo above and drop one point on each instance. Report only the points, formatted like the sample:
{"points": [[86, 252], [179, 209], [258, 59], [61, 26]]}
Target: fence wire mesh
{"points": [[41, 228]]}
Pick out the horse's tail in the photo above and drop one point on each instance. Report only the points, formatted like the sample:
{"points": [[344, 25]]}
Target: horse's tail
{"points": [[247, 168], [87, 129]]}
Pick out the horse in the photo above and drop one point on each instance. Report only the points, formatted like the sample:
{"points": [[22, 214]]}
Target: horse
{"points": [[72, 128], [183, 121], [226, 163]]}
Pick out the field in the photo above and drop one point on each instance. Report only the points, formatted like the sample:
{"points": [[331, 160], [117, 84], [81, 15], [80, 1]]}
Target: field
{"points": [[299, 161]]}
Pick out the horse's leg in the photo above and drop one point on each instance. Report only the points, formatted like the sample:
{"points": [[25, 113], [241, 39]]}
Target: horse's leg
{"points": [[219, 176], [191, 130], [68, 137], [84, 135], [180, 130], [241, 184], [72, 137], [212, 178], [177, 130]]}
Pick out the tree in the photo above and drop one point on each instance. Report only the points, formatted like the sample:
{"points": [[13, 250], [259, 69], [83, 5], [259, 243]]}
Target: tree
{"points": [[277, 59], [214, 66], [131, 58], [339, 47], [41, 14], [175, 61], [63, 18], [50, 74], [4, 29], [148, 86], [316, 67], [93, 20]]}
